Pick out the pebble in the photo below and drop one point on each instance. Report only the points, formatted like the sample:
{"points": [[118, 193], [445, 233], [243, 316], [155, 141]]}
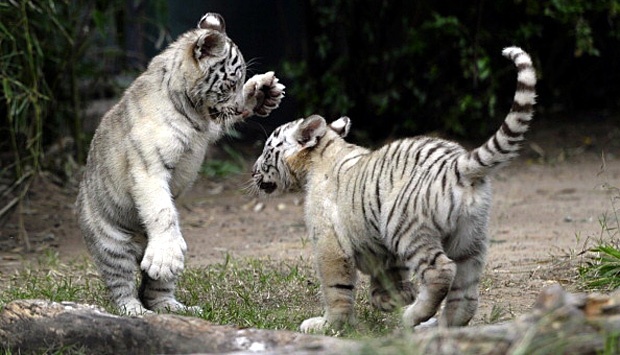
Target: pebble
{"points": [[259, 207]]}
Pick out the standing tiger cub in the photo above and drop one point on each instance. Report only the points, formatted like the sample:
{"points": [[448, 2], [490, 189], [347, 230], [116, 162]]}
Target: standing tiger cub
{"points": [[415, 206], [148, 150]]}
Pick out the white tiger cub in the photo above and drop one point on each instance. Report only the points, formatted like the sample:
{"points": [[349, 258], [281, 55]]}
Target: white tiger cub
{"points": [[147, 150], [415, 206]]}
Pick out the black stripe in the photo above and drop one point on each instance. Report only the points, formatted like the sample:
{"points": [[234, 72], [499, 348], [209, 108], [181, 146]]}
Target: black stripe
{"points": [[326, 146], [522, 108], [509, 132], [162, 159], [457, 173], [498, 147], [138, 150], [522, 66], [406, 231], [343, 287], [476, 156]]}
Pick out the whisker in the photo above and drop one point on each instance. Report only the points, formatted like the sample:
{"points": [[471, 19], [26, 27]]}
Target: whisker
{"points": [[249, 66]]}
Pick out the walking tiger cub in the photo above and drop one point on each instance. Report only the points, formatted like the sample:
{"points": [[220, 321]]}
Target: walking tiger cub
{"points": [[415, 206], [147, 151]]}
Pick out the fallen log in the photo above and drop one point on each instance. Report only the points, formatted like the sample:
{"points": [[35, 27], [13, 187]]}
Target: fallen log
{"points": [[559, 322], [36, 326]]}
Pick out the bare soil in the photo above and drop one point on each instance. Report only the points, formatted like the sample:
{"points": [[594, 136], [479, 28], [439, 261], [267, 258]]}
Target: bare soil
{"points": [[547, 209]]}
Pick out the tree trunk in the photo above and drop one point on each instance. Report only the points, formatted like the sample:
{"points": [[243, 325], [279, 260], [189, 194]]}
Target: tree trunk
{"points": [[559, 323]]}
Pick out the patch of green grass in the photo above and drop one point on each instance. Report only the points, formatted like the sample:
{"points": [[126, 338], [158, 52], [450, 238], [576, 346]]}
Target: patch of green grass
{"points": [[217, 168], [246, 292], [49, 279], [261, 293], [601, 271]]}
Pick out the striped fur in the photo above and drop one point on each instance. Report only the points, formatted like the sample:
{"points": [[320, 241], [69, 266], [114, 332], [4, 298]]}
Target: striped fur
{"points": [[147, 150], [415, 207]]}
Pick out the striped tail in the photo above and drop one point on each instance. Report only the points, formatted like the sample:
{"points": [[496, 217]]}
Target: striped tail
{"points": [[506, 142]]}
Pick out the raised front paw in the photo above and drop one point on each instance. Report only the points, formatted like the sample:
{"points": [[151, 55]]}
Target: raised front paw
{"points": [[263, 94], [164, 259]]}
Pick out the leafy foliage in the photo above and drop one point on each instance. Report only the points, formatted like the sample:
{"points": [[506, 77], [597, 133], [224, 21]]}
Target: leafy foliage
{"points": [[409, 66], [220, 168], [53, 53]]}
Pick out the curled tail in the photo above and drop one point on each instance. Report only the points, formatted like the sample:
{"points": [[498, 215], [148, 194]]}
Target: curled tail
{"points": [[505, 144]]}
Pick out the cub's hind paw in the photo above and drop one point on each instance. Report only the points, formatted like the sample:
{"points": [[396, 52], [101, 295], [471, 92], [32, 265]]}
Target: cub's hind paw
{"points": [[314, 325], [133, 308], [388, 301], [170, 305]]}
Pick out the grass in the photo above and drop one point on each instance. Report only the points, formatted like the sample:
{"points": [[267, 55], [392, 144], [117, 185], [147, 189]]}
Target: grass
{"points": [[232, 164], [246, 292], [601, 271]]}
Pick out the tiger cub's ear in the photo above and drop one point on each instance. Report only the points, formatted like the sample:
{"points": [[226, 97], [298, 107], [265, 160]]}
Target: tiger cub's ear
{"points": [[310, 131], [212, 21], [210, 44], [341, 126]]}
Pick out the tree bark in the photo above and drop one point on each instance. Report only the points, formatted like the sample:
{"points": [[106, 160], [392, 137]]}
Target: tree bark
{"points": [[560, 322]]}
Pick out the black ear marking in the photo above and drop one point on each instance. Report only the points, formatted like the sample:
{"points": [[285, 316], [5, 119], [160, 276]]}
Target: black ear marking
{"points": [[212, 21], [209, 45], [311, 130]]}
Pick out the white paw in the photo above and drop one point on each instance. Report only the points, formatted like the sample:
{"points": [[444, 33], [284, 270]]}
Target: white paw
{"points": [[314, 325], [263, 94], [416, 316], [170, 305], [431, 323], [164, 260], [133, 308]]}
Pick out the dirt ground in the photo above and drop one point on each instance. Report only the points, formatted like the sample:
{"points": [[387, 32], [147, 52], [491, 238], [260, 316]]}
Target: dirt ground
{"points": [[547, 209]]}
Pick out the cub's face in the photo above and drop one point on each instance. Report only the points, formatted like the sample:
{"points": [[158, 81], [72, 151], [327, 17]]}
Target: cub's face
{"points": [[222, 68], [271, 171], [287, 156]]}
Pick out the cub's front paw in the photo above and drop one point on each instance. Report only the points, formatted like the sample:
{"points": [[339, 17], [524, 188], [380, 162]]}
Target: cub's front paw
{"points": [[164, 260], [263, 94], [314, 325]]}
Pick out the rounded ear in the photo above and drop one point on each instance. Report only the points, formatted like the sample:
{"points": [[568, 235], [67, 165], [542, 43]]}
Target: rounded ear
{"points": [[341, 126], [310, 131], [212, 21], [209, 44]]}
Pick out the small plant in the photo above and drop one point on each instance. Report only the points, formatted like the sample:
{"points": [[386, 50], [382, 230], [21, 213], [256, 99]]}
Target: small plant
{"points": [[218, 168], [602, 272]]}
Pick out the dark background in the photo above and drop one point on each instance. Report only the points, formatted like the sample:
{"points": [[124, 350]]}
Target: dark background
{"points": [[395, 67]]}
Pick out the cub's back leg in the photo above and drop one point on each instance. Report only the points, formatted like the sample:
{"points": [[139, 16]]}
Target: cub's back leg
{"points": [[462, 299], [435, 272], [116, 255], [158, 295]]}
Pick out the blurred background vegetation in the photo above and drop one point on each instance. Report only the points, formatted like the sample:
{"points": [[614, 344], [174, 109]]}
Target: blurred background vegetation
{"points": [[396, 67]]}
